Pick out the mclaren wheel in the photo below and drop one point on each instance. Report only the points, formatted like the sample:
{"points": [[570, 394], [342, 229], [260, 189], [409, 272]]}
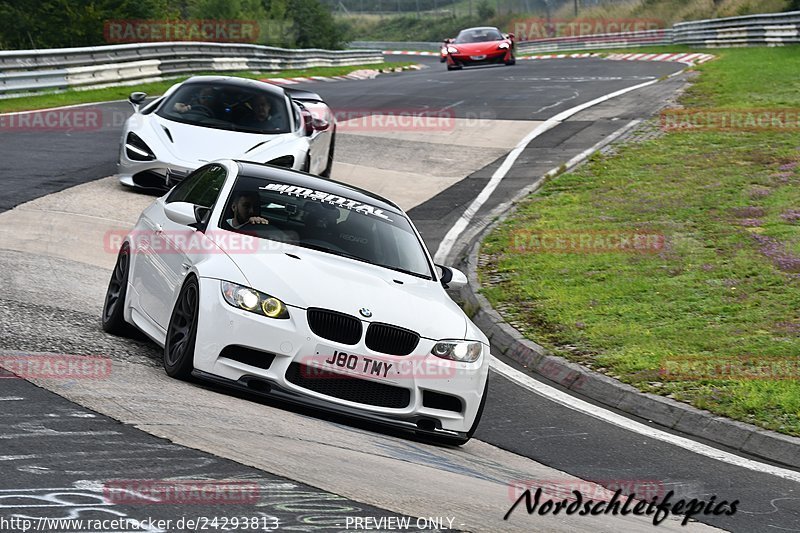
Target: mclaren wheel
{"points": [[182, 332]]}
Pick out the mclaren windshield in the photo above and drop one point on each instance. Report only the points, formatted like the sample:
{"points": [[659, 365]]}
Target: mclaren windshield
{"points": [[479, 35], [228, 107], [327, 222]]}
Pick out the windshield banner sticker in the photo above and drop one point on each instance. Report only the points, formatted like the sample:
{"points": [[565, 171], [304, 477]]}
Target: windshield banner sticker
{"points": [[322, 196]]}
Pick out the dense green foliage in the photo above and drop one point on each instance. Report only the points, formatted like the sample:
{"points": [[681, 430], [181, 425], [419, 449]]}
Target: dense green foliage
{"points": [[67, 23]]}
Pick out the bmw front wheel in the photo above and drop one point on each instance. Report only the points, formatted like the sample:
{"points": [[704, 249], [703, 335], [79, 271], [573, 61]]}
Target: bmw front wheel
{"points": [[114, 303], [182, 332]]}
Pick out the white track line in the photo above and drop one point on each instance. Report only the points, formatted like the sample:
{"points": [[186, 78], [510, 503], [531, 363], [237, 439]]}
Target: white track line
{"points": [[461, 224], [610, 417]]}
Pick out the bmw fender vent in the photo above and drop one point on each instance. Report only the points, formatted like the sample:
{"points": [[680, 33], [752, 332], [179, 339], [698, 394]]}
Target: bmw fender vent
{"points": [[334, 326]]}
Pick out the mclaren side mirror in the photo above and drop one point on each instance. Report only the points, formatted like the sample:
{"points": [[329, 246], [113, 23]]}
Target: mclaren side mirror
{"points": [[136, 99], [451, 278]]}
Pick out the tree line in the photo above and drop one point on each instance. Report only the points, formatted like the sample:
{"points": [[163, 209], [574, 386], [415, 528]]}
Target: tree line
{"points": [[36, 24]]}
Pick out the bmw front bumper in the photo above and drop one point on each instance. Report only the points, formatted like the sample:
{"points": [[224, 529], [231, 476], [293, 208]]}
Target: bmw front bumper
{"points": [[284, 358]]}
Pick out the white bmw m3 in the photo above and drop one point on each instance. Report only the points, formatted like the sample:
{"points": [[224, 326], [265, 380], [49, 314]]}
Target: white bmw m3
{"points": [[304, 289]]}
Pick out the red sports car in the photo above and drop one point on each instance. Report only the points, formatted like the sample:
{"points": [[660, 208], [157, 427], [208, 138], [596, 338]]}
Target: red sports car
{"points": [[480, 46]]}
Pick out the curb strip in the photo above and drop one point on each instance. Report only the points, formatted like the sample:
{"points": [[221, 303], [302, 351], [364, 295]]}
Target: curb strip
{"points": [[359, 75]]}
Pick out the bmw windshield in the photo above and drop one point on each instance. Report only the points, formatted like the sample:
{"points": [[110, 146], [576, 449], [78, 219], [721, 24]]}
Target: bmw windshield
{"points": [[326, 222], [228, 107]]}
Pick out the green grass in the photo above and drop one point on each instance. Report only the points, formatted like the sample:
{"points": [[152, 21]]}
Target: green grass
{"points": [[725, 286], [72, 96]]}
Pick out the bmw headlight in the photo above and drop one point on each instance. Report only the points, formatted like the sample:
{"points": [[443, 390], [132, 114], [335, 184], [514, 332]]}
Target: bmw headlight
{"points": [[463, 351], [254, 301], [452, 50], [503, 45]]}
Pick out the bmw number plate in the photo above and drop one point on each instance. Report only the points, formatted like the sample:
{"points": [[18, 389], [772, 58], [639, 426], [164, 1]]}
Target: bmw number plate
{"points": [[348, 363]]}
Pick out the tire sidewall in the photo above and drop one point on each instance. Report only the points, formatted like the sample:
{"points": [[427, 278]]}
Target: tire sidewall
{"points": [[115, 322], [182, 369]]}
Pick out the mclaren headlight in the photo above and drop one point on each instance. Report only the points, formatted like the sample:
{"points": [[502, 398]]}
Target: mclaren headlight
{"points": [[136, 149], [284, 161], [455, 350], [254, 301], [452, 50], [503, 45]]}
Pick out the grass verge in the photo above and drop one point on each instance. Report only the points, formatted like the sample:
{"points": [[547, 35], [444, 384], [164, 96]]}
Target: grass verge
{"points": [[72, 96], [708, 311]]}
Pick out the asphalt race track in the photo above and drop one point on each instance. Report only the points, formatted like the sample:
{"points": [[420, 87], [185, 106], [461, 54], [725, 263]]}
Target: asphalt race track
{"points": [[61, 440]]}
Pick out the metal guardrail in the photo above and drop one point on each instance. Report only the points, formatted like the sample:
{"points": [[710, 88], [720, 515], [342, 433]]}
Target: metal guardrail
{"points": [[599, 41], [33, 70], [397, 45], [770, 29]]}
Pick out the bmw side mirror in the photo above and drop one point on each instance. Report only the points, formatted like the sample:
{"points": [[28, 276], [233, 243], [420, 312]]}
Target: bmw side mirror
{"points": [[452, 278], [181, 213], [308, 122], [136, 99], [320, 124]]}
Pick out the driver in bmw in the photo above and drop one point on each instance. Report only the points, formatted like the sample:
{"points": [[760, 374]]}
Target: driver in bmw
{"points": [[244, 207]]}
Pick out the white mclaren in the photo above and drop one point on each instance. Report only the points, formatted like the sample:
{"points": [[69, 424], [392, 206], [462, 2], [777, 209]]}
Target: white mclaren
{"points": [[216, 117], [304, 289]]}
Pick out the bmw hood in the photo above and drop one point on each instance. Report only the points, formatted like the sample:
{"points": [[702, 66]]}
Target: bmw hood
{"points": [[308, 278], [197, 144]]}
